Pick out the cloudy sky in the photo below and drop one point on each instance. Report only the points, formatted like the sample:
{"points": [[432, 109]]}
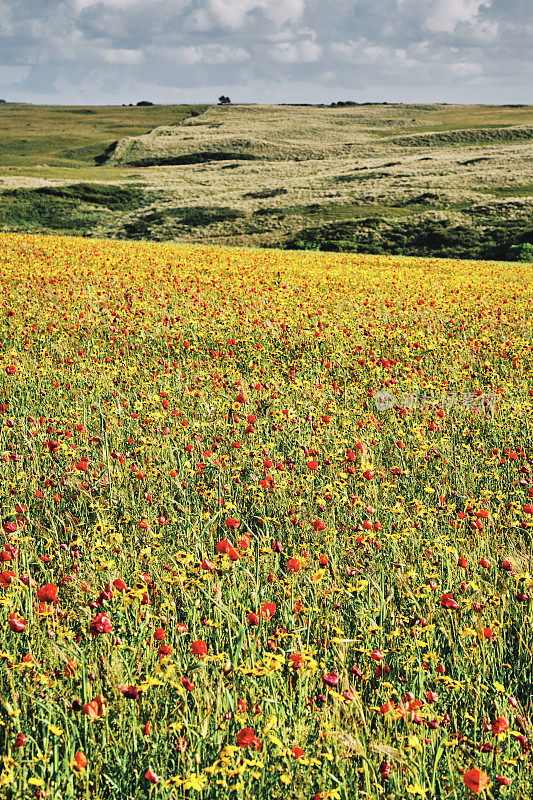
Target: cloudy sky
{"points": [[269, 51]]}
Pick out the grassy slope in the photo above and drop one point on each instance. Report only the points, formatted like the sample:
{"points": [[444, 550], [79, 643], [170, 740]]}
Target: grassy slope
{"points": [[360, 171], [72, 136]]}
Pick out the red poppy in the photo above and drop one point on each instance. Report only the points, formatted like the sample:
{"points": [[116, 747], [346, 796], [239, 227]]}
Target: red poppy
{"points": [[131, 692], [151, 776], [47, 593], [16, 623], [96, 708], [268, 610], [227, 548], [232, 523], [312, 465], [100, 624], [318, 525], [448, 601], [499, 726], [476, 780], [6, 577], [296, 660], [330, 679], [199, 648], [297, 752], [293, 565], [246, 737], [20, 741]]}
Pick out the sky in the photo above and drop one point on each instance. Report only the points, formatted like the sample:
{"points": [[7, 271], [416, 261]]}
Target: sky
{"points": [[92, 52]]}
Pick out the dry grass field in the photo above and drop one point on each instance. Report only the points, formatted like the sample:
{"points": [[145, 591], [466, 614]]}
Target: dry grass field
{"points": [[367, 177]]}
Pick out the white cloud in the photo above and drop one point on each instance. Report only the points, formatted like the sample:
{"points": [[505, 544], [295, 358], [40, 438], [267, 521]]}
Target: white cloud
{"points": [[445, 14], [11, 76], [466, 69], [123, 56], [6, 27], [233, 13], [296, 52], [270, 50], [79, 5], [210, 54]]}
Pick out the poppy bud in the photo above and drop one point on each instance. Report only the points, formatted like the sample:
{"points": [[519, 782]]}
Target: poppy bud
{"points": [[385, 769], [330, 679], [502, 780], [81, 760]]}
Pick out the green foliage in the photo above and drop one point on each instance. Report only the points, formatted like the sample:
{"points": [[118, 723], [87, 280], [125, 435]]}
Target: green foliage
{"points": [[196, 216], [61, 208], [151, 224], [263, 193], [510, 240], [521, 252], [27, 208], [121, 198], [189, 158]]}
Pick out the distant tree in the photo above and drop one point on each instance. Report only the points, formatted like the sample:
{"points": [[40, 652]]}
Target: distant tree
{"points": [[223, 100], [3, 101], [144, 103]]}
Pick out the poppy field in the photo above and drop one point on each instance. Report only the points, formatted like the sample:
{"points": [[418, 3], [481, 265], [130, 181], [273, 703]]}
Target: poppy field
{"points": [[266, 524]]}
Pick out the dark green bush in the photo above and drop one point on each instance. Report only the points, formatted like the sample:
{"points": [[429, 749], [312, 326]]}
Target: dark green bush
{"points": [[510, 240], [26, 208], [263, 193]]}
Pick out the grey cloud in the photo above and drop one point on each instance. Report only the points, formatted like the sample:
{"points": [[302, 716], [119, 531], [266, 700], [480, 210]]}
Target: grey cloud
{"points": [[265, 50]]}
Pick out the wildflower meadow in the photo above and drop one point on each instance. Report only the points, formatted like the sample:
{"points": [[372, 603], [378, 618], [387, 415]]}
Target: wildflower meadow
{"points": [[266, 524]]}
